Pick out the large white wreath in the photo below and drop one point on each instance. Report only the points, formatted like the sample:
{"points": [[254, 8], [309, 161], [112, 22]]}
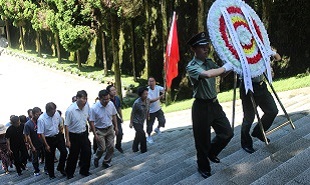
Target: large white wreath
{"points": [[239, 37]]}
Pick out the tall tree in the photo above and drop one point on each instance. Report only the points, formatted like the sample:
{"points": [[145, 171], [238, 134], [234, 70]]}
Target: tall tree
{"points": [[201, 15], [146, 70], [74, 27], [113, 8], [129, 9], [19, 12]]}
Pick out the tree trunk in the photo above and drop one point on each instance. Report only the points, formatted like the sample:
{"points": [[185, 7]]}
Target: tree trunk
{"points": [[58, 47], [78, 58], [165, 38], [164, 33], [266, 8], [38, 43], [121, 42], [201, 16], [146, 70], [133, 53], [21, 34], [8, 36], [118, 83], [104, 55]]}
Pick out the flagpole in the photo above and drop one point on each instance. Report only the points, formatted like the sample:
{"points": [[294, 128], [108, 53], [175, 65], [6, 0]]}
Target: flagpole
{"points": [[167, 63]]}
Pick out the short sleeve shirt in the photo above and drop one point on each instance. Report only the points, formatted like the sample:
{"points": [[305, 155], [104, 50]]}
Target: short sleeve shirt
{"points": [[102, 115], [76, 119], [15, 134], [203, 88], [31, 130], [152, 94], [49, 125]]}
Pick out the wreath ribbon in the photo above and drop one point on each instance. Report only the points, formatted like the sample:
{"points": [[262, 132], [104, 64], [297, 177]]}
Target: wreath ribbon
{"points": [[236, 43], [259, 43]]}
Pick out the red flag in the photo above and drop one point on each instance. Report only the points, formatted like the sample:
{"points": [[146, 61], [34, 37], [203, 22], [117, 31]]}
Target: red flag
{"points": [[172, 53]]}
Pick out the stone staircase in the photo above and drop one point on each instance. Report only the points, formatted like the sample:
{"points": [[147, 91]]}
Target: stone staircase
{"points": [[172, 158]]}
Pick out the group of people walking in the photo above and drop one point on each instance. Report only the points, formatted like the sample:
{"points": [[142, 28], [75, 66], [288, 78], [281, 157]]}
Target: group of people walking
{"points": [[44, 132]]}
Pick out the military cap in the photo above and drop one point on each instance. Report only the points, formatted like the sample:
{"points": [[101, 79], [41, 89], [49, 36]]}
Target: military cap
{"points": [[198, 40]]}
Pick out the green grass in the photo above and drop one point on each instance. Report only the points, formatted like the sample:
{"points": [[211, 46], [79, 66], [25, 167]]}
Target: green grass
{"points": [[95, 73]]}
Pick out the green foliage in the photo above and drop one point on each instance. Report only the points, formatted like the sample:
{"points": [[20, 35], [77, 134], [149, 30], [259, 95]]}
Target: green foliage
{"points": [[18, 11], [74, 38]]}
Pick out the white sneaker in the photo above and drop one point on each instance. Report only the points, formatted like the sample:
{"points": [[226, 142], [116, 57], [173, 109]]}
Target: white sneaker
{"points": [[149, 139], [36, 174], [157, 130]]}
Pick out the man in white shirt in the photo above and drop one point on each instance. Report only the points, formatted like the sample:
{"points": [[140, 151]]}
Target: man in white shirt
{"points": [[103, 123], [76, 134], [155, 93], [48, 124]]}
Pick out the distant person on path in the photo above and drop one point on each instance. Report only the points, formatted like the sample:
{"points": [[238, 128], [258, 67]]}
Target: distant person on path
{"points": [[155, 93], [34, 140], [206, 110], [8, 124], [4, 150], [48, 124], [29, 112], [103, 122], [76, 134], [139, 113], [16, 144], [73, 99], [117, 103], [265, 101]]}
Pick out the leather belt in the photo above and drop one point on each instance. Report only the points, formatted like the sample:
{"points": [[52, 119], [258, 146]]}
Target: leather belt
{"points": [[207, 100], [106, 128]]}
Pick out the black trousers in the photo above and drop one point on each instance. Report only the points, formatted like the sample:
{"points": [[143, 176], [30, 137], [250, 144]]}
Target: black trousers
{"points": [[20, 155], [80, 145], [207, 114], [119, 135], [59, 143], [265, 101], [139, 139]]}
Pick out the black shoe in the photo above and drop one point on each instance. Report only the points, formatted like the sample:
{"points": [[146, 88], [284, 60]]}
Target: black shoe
{"points": [[69, 176], [204, 174], [135, 150], [63, 172], [23, 167], [248, 149], [106, 165], [52, 177], [19, 174], [214, 159], [86, 174], [260, 137], [119, 149]]}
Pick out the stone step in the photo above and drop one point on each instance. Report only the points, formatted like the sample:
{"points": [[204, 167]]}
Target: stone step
{"points": [[238, 159], [303, 178], [171, 159], [288, 170]]}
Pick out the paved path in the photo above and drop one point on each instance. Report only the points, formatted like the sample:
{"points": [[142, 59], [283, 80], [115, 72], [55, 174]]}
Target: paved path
{"points": [[25, 85]]}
